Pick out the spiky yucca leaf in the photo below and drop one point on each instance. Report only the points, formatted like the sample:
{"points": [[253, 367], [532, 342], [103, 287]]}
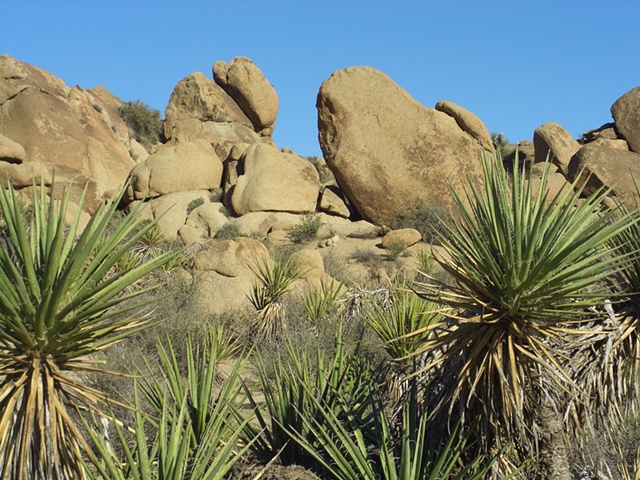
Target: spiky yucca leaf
{"points": [[273, 281], [404, 322], [529, 269], [190, 434], [346, 452], [319, 302], [342, 380], [60, 301]]}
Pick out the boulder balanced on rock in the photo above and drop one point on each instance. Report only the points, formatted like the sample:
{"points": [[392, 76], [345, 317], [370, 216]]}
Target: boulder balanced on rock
{"points": [[388, 151]]}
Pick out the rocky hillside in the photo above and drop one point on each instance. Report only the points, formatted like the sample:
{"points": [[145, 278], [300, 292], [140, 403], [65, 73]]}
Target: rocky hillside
{"points": [[217, 170]]}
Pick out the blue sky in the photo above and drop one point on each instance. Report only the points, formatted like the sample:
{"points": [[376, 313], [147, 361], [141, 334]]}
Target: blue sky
{"points": [[515, 64]]}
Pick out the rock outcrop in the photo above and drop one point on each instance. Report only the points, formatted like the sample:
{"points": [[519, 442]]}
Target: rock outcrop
{"points": [[275, 181], [247, 85], [626, 114], [596, 166], [552, 141], [469, 122], [386, 150], [176, 168], [70, 130]]}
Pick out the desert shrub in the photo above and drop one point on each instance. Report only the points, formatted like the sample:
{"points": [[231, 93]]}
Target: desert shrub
{"points": [[229, 231], [306, 230], [429, 220], [145, 122], [395, 249], [195, 203]]}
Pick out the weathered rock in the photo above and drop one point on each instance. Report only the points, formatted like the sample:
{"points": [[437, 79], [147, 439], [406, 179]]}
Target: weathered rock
{"points": [[247, 85], [469, 122], [551, 140], [202, 223], [308, 262], [232, 258], [332, 225], [60, 127], [387, 151], [404, 236], [197, 97], [617, 143], [171, 210], [608, 130], [176, 168], [556, 181], [275, 181], [626, 114], [11, 151], [224, 276], [331, 201], [599, 166], [222, 136]]}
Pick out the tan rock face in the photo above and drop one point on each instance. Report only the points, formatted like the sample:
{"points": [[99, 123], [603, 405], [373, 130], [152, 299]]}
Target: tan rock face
{"points": [[62, 127], [176, 168], [550, 139], [469, 122], [197, 97], [223, 137], [626, 114], [404, 236], [388, 151], [248, 86], [332, 202], [171, 210], [232, 258], [11, 151], [610, 167], [275, 181]]}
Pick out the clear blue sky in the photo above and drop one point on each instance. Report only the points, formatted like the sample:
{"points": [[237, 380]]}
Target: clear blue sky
{"points": [[516, 64]]}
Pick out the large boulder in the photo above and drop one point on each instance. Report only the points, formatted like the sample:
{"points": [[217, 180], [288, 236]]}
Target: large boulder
{"points": [[469, 122], [224, 276], [626, 114], [11, 151], [63, 127], [222, 136], [596, 166], [247, 85], [176, 168], [198, 97], [553, 141], [388, 151], [275, 181]]}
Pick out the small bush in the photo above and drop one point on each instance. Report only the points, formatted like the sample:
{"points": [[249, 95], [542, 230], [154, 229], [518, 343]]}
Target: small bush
{"points": [[430, 221], [145, 122], [306, 230], [229, 231], [394, 249], [195, 203]]}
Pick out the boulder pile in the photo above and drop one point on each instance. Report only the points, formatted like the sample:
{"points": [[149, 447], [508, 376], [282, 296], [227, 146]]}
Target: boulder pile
{"points": [[217, 169]]}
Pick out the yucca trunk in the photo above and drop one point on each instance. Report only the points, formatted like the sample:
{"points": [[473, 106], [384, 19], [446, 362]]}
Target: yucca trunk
{"points": [[553, 457]]}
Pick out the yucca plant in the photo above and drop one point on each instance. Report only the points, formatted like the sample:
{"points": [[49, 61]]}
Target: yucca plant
{"points": [[60, 301], [342, 380], [346, 452], [273, 282], [319, 302], [529, 270], [190, 433], [403, 322]]}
